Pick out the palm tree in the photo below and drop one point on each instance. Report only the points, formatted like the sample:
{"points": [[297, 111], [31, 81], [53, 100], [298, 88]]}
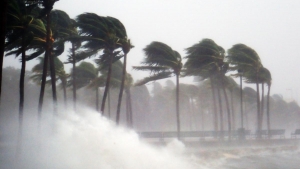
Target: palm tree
{"points": [[206, 59], [162, 62], [74, 39], [126, 46], [115, 80], [244, 58], [48, 6], [263, 77], [101, 34], [23, 33]]}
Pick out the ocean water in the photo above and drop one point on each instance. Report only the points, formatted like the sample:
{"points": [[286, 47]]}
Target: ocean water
{"points": [[264, 160], [86, 140]]}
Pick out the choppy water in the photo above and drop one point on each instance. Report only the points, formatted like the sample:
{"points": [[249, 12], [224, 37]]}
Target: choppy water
{"points": [[85, 140], [279, 160]]}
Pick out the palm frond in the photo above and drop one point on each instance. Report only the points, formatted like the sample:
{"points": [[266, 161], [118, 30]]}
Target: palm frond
{"points": [[159, 76]]}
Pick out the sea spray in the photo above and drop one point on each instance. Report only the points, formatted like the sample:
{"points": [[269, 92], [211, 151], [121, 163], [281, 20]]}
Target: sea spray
{"points": [[86, 140]]}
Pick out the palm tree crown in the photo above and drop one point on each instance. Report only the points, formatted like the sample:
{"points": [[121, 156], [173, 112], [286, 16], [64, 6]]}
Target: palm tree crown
{"points": [[162, 62]]}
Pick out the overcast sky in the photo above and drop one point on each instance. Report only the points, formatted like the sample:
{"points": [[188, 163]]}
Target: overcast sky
{"points": [[271, 27]]}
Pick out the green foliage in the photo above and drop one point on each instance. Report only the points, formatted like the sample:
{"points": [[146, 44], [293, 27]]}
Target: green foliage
{"points": [[244, 58], [162, 62], [204, 59]]}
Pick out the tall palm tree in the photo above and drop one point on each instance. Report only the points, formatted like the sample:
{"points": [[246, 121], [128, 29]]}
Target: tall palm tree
{"points": [[101, 34], [22, 34], [47, 8], [162, 62], [76, 43], [126, 46], [244, 58], [206, 59], [263, 77]]}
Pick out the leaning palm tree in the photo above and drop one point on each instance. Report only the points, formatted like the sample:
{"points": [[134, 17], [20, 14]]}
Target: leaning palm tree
{"points": [[23, 33], [263, 77], [126, 46], [244, 58], [162, 62], [101, 34], [45, 12], [206, 59], [74, 37]]}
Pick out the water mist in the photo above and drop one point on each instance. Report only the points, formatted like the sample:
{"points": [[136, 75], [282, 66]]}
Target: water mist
{"points": [[86, 140]]}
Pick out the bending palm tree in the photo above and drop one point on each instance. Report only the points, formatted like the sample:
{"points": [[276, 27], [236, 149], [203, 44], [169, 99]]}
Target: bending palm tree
{"points": [[101, 34], [72, 57], [126, 46], [48, 6], [206, 59], [246, 59], [263, 77], [23, 33], [163, 62]]}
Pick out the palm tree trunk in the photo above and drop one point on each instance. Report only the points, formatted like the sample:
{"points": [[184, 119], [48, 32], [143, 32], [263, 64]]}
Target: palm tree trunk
{"points": [[232, 109], [268, 111], [262, 106], [128, 93], [45, 68], [74, 76], [121, 89], [108, 102], [52, 65], [221, 113], [202, 118], [228, 109], [258, 105], [177, 106], [127, 110], [241, 102], [53, 83], [22, 77], [64, 85], [4, 5], [107, 82], [246, 116], [216, 127], [97, 98]]}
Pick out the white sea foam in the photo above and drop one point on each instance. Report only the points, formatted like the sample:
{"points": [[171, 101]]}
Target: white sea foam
{"points": [[87, 140]]}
